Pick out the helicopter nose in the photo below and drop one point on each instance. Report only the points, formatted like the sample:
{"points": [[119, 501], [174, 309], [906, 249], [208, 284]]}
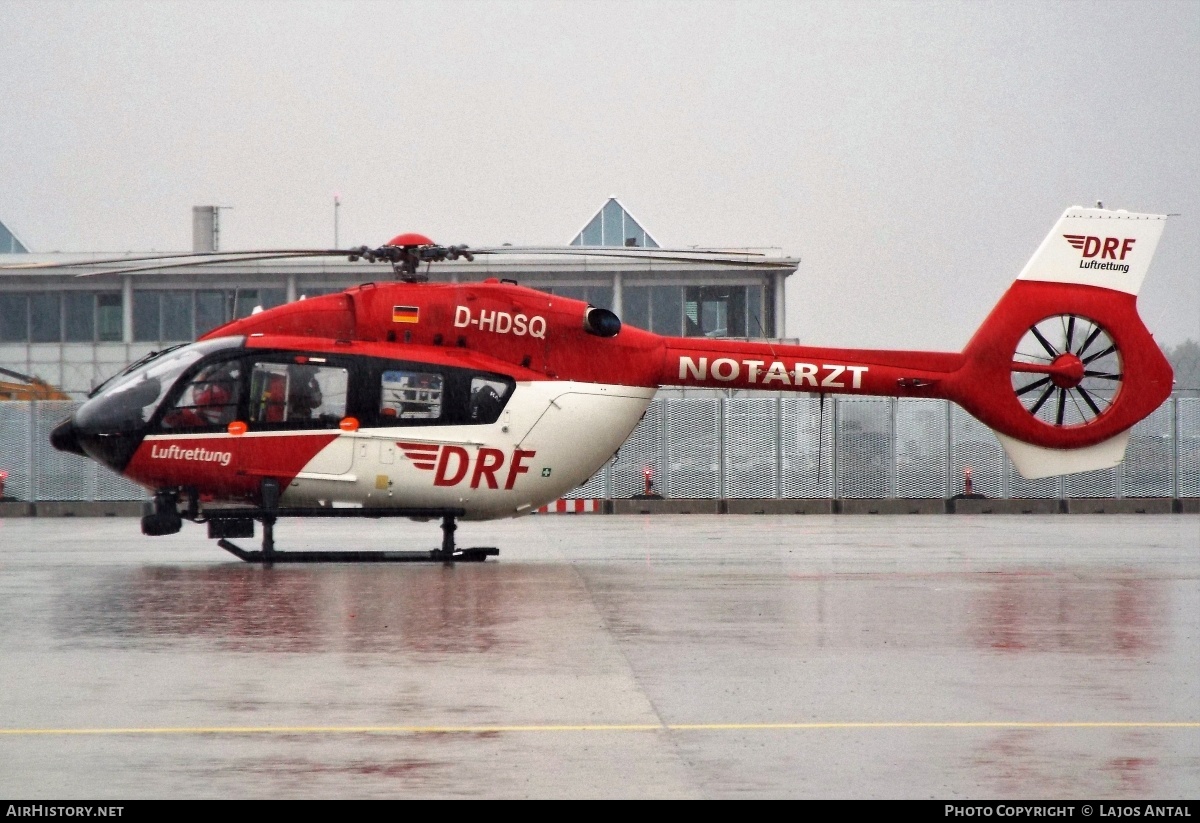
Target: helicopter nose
{"points": [[65, 438]]}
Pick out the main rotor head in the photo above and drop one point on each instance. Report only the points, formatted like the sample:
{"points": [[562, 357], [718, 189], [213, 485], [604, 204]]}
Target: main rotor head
{"points": [[406, 252]]}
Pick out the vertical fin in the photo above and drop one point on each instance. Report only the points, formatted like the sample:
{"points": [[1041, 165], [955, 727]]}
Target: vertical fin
{"points": [[1097, 247]]}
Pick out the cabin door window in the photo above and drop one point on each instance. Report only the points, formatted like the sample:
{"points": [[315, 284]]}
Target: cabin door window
{"points": [[304, 395]]}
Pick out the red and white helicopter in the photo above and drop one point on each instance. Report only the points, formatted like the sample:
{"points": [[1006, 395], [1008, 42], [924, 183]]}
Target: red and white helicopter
{"points": [[488, 400]]}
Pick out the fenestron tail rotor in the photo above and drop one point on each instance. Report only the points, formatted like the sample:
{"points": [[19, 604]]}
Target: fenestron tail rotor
{"points": [[1067, 370]]}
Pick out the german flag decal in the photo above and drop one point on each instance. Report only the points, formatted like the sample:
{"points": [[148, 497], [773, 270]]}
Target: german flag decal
{"points": [[406, 314]]}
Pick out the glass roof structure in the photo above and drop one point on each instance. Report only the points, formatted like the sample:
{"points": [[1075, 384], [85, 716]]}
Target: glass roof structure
{"points": [[9, 244], [613, 225]]}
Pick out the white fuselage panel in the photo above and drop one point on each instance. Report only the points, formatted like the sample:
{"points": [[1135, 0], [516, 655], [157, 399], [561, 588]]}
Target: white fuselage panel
{"points": [[551, 437]]}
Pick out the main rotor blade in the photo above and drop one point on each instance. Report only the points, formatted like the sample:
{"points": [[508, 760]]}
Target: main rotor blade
{"points": [[716, 257], [630, 250], [201, 257], [702, 256], [193, 263]]}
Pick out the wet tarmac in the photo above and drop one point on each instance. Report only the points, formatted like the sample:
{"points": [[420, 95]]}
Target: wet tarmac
{"points": [[967, 657]]}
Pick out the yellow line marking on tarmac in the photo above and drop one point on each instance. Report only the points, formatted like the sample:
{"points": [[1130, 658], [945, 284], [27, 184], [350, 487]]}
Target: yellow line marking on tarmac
{"points": [[614, 727], [982, 724]]}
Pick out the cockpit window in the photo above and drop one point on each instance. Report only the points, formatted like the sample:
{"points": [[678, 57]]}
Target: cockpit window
{"points": [[134, 366], [209, 400], [127, 402]]}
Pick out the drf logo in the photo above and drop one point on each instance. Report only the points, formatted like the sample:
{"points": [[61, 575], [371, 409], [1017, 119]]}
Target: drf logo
{"points": [[1106, 247], [451, 464]]}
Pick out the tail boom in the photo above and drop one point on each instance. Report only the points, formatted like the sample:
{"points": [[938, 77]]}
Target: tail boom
{"points": [[728, 364], [1061, 369], [979, 379]]}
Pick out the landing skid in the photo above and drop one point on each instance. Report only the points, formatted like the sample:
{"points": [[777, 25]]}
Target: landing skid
{"points": [[474, 555], [226, 523]]}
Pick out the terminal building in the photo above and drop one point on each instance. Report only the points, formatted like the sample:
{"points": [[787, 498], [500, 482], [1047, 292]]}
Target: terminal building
{"points": [[75, 332]]}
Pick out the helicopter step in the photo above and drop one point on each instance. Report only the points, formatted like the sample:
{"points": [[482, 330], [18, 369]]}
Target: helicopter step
{"points": [[239, 522]]}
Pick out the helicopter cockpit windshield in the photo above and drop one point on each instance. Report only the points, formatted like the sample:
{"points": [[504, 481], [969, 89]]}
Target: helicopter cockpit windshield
{"points": [[204, 387], [127, 403]]}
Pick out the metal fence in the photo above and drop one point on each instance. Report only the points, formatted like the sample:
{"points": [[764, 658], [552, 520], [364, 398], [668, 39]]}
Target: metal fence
{"points": [[871, 447], [762, 446], [36, 471]]}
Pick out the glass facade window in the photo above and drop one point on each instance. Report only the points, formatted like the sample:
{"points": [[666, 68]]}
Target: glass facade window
{"points": [[270, 298], [146, 315], [176, 315], [316, 291], [593, 233], [71, 317], [600, 296], [172, 315], [758, 324], [666, 310], [573, 292], [9, 244], [79, 317], [715, 311], [109, 311], [696, 311], [14, 317], [655, 308], [636, 308], [613, 226], [176, 308], [45, 317], [245, 300], [210, 311]]}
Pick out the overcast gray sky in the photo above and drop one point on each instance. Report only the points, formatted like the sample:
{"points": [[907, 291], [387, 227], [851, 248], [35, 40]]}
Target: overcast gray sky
{"points": [[912, 154]]}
